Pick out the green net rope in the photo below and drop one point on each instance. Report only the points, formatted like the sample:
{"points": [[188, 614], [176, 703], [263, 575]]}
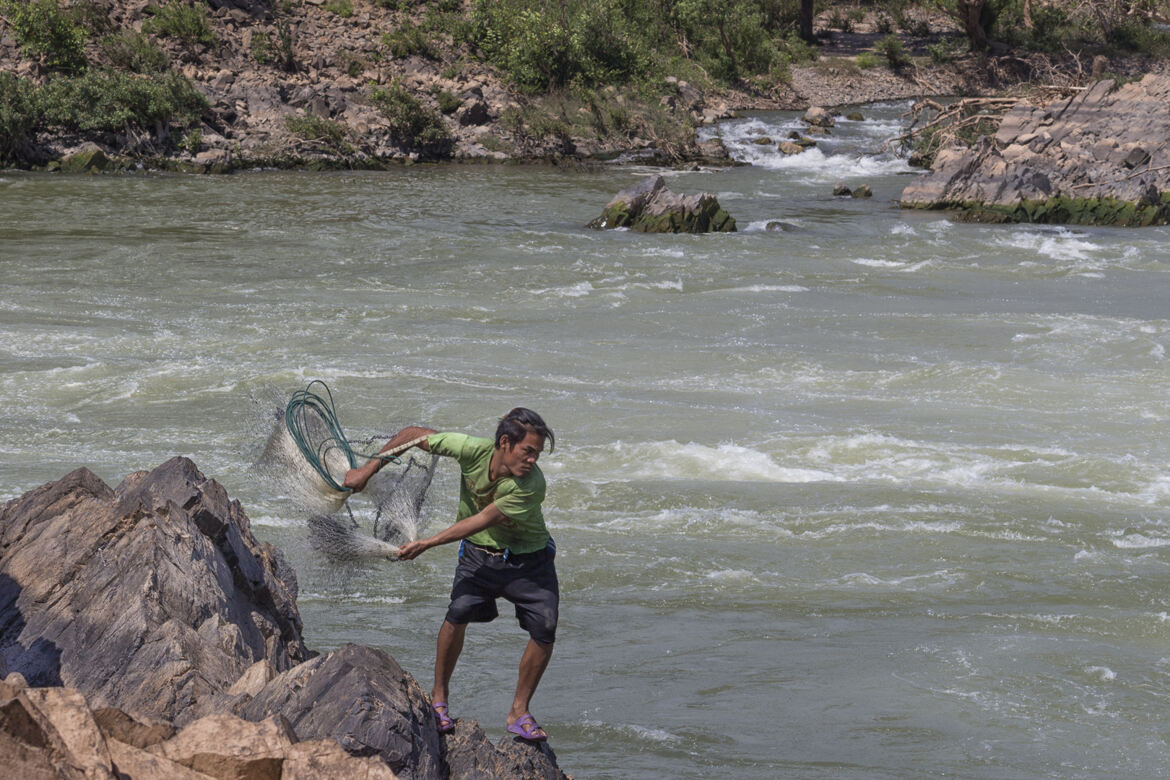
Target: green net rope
{"points": [[312, 422]]}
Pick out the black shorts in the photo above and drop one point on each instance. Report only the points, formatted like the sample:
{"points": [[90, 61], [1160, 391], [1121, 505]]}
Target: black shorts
{"points": [[529, 581]]}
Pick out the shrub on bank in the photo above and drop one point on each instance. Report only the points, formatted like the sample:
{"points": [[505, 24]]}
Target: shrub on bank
{"points": [[412, 124], [98, 101], [47, 33], [188, 23], [133, 51], [112, 101]]}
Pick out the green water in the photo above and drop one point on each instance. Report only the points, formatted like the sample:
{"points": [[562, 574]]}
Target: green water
{"points": [[875, 496]]}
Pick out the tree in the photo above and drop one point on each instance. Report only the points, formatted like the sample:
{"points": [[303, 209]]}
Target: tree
{"points": [[806, 20]]}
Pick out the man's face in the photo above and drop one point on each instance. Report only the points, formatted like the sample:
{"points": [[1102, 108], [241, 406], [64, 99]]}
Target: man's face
{"points": [[519, 458]]}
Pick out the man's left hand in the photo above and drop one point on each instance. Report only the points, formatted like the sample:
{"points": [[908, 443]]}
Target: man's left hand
{"points": [[411, 550]]}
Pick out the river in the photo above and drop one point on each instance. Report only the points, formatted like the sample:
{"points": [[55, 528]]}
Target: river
{"points": [[874, 495]]}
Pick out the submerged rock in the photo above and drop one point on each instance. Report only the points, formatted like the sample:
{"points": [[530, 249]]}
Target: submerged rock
{"points": [[1098, 157], [649, 207]]}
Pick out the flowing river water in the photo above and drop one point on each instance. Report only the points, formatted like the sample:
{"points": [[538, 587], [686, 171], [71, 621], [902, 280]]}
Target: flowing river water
{"points": [[875, 495]]}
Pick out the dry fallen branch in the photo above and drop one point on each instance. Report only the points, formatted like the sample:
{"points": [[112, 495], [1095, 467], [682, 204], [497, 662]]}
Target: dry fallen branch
{"points": [[948, 121]]}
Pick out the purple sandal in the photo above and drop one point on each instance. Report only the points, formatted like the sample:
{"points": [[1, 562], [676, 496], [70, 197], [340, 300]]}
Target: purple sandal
{"points": [[526, 727], [442, 719]]}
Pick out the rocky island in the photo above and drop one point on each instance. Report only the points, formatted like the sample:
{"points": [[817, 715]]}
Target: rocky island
{"points": [[1096, 157], [145, 633]]}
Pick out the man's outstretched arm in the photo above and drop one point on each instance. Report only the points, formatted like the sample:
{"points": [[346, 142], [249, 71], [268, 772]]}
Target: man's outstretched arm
{"points": [[486, 518], [356, 479]]}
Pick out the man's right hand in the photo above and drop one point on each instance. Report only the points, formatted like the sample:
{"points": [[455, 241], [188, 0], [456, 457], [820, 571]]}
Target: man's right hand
{"points": [[356, 479]]}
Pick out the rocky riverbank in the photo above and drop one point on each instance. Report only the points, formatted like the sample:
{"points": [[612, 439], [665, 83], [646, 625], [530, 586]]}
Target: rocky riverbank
{"points": [[145, 632], [315, 84], [1096, 157]]}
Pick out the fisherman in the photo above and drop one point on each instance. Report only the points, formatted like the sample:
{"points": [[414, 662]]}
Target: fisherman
{"points": [[505, 550]]}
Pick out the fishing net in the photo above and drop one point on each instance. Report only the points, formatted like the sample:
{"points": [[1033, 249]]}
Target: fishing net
{"points": [[306, 456]]}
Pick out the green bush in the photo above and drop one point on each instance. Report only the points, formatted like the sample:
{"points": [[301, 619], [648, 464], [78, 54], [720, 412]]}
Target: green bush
{"points": [[91, 15], [343, 8], [113, 101], [311, 127], [411, 123], [284, 46], [543, 47], [448, 103], [867, 60], [133, 51], [260, 47], [19, 116], [188, 23], [409, 39], [891, 48], [47, 33]]}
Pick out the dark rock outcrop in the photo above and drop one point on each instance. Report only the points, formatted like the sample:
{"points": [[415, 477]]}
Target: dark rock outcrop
{"points": [[649, 207], [153, 597], [361, 698], [1099, 157], [161, 639]]}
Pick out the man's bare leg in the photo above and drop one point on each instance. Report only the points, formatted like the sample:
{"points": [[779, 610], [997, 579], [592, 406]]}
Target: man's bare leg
{"points": [[447, 651], [532, 665]]}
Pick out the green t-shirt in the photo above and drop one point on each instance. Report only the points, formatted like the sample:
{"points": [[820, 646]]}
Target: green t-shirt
{"points": [[519, 499]]}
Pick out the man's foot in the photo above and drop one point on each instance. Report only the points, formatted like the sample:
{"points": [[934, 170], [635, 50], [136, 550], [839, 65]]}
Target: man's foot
{"points": [[527, 728], [442, 719]]}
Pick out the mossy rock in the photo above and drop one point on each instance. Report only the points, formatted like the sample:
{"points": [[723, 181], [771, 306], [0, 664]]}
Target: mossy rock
{"points": [[615, 216], [91, 161], [1063, 210], [855, 116]]}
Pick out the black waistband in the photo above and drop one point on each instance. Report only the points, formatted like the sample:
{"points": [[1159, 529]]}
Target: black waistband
{"points": [[506, 553]]}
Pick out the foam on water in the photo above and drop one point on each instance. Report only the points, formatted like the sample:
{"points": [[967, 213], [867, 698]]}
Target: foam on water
{"points": [[671, 460]]}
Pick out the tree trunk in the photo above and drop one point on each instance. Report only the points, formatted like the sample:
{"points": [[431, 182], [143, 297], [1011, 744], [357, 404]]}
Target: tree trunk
{"points": [[806, 20], [969, 12]]}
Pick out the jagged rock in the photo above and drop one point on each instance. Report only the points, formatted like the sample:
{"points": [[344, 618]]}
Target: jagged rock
{"points": [[30, 745], [136, 764], [159, 608], [67, 711], [224, 746], [473, 112], [471, 756], [361, 698], [1093, 158], [649, 207], [117, 725], [714, 150], [324, 759], [841, 190], [819, 117], [154, 597]]}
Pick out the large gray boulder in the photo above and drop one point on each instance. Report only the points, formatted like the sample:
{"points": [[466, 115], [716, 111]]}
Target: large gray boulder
{"points": [[1098, 157], [154, 597], [649, 207], [361, 698]]}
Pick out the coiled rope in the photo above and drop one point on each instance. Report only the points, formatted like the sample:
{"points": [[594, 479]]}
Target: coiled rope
{"points": [[312, 422]]}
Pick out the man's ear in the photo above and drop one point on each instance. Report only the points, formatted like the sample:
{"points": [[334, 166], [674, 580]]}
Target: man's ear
{"points": [[503, 442]]}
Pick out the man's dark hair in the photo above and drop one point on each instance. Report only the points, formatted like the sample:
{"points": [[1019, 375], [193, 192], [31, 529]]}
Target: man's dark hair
{"points": [[519, 422]]}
